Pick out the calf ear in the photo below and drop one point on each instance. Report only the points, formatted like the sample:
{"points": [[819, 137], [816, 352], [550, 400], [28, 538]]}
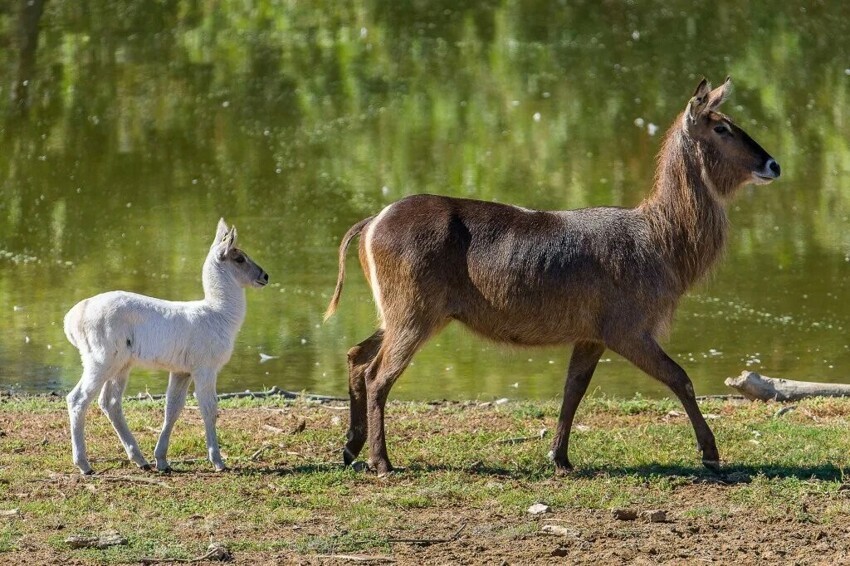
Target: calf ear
{"points": [[698, 102], [220, 231], [717, 96], [227, 243]]}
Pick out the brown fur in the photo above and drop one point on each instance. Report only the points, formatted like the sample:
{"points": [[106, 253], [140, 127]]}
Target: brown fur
{"points": [[598, 277]]}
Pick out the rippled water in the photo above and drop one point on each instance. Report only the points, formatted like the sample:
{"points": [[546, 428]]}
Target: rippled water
{"points": [[132, 126]]}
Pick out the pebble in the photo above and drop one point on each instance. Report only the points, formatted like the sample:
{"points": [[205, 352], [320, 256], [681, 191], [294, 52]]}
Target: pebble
{"points": [[539, 509]]}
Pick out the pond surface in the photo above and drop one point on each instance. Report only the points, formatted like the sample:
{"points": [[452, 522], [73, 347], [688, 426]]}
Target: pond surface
{"points": [[129, 128]]}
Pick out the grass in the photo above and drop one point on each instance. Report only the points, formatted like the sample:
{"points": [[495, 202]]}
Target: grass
{"points": [[295, 499]]}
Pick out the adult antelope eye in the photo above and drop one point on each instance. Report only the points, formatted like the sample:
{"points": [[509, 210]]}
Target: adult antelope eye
{"points": [[240, 259], [721, 129]]}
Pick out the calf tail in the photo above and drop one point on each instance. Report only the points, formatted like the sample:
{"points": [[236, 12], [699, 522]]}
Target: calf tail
{"points": [[343, 247], [72, 324]]}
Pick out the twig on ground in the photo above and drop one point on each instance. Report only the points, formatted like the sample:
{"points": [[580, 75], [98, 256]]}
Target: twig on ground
{"points": [[217, 552], [428, 541], [358, 557], [262, 449], [130, 479], [521, 439]]}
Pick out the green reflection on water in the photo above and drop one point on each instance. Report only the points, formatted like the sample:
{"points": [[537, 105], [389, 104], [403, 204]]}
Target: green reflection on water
{"points": [[133, 126]]}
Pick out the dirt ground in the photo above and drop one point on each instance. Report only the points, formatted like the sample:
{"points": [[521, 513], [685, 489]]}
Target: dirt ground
{"points": [[443, 531]]}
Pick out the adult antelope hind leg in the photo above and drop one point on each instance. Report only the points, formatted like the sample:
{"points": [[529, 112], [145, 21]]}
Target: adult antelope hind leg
{"points": [[582, 365], [397, 349], [646, 354], [359, 359]]}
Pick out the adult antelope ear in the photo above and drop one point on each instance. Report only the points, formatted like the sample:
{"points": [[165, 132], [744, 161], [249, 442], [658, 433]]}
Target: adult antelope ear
{"points": [[698, 102], [717, 96]]}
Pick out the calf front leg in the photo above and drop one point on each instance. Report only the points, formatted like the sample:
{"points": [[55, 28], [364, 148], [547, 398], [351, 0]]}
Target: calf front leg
{"points": [[175, 400], [208, 404]]}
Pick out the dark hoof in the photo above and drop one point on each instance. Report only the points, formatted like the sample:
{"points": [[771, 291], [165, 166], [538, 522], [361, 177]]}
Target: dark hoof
{"points": [[348, 457], [88, 473], [381, 468], [167, 470], [146, 468], [359, 467], [562, 464], [712, 465]]}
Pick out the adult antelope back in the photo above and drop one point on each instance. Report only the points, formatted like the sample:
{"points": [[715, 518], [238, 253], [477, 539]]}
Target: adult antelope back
{"points": [[595, 277]]}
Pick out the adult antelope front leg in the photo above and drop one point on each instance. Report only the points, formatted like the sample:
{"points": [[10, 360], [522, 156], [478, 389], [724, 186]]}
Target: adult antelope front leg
{"points": [[646, 354], [582, 365]]}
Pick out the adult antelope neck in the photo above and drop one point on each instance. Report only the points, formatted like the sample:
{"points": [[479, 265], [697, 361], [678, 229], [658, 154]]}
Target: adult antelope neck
{"points": [[686, 215]]}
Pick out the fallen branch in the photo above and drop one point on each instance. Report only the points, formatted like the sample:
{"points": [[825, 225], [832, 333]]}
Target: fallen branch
{"points": [[274, 391], [429, 541], [757, 387]]}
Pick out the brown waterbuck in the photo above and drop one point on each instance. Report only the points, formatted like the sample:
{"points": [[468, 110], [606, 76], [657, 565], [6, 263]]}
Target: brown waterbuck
{"points": [[596, 277]]}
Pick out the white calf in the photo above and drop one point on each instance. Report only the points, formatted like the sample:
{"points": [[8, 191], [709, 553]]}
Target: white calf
{"points": [[117, 331]]}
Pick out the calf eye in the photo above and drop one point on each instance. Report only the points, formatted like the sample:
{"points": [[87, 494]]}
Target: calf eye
{"points": [[721, 129], [239, 259]]}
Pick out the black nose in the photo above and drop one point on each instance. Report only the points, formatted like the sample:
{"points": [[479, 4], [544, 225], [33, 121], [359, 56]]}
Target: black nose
{"points": [[266, 275], [774, 166]]}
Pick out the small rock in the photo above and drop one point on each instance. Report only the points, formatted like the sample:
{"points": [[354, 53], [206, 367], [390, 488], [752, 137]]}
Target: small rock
{"points": [[539, 509], [624, 514], [560, 551], [10, 512], [558, 530], [655, 516], [501, 401], [674, 414]]}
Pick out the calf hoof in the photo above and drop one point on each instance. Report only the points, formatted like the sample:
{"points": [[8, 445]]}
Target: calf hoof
{"points": [[146, 467], [221, 468], [348, 457], [88, 472], [165, 470]]}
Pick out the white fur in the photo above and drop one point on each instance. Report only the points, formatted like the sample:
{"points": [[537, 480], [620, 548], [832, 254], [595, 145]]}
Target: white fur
{"points": [[370, 260], [193, 340]]}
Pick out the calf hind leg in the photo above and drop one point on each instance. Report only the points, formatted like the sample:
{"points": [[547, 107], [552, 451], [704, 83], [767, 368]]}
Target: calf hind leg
{"points": [[359, 359], [78, 401], [110, 404]]}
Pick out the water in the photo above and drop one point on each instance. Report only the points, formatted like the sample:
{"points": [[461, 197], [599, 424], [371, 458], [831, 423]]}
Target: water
{"points": [[141, 123]]}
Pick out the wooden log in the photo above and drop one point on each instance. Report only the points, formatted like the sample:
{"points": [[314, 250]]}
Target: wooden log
{"points": [[758, 387]]}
